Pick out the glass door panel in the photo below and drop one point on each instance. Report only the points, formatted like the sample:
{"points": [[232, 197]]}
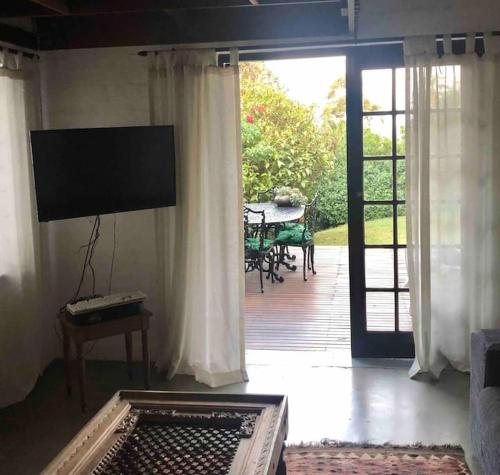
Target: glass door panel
{"points": [[380, 312], [376, 98], [378, 229], [401, 179], [400, 89], [400, 135], [380, 320], [404, 312], [377, 180], [377, 135], [379, 268], [402, 269]]}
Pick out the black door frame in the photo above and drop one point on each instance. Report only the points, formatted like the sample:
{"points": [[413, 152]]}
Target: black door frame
{"points": [[358, 57], [367, 344]]}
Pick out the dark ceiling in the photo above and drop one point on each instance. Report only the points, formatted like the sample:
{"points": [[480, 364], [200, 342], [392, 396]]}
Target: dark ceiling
{"points": [[59, 24]]}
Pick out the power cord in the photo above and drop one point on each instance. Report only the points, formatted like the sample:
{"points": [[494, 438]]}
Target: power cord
{"points": [[97, 235], [112, 257], [90, 246], [89, 254]]}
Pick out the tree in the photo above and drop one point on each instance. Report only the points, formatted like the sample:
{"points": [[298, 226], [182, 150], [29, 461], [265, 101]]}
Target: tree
{"points": [[282, 143]]}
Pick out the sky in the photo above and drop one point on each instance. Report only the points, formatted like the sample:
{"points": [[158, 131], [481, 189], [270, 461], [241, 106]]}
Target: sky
{"points": [[308, 80]]}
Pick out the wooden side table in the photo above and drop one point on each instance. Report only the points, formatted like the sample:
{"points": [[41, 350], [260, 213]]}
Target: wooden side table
{"points": [[80, 334]]}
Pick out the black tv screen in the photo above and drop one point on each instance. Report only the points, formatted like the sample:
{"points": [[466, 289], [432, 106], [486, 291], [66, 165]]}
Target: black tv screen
{"points": [[86, 172]]}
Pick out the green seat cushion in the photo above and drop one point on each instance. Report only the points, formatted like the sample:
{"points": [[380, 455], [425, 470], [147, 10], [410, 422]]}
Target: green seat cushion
{"points": [[294, 237], [253, 244], [291, 226]]}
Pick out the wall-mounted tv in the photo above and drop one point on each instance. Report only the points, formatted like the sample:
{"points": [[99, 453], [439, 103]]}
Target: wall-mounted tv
{"points": [[86, 172]]}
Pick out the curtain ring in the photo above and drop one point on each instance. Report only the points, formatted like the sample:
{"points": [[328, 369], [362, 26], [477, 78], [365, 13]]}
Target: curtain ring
{"points": [[470, 43], [233, 56], [487, 40]]}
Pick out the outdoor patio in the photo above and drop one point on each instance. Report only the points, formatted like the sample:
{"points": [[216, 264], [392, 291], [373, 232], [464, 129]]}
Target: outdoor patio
{"points": [[314, 315]]}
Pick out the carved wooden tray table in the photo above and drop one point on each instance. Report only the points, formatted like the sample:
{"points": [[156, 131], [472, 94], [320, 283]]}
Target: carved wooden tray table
{"points": [[148, 432]]}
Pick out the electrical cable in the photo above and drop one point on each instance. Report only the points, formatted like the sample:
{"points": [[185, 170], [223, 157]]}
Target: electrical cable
{"points": [[92, 249], [82, 276], [112, 257], [89, 254]]}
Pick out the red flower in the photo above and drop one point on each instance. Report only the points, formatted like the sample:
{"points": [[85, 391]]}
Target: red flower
{"points": [[250, 119], [260, 108]]}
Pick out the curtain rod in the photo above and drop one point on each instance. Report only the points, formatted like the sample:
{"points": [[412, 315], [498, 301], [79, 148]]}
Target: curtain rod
{"points": [[227, 45], [315, 47], [166, 50], [298, 46]]}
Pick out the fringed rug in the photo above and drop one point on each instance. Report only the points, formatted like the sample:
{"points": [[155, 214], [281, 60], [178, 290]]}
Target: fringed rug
{"points": [[331, 457]]}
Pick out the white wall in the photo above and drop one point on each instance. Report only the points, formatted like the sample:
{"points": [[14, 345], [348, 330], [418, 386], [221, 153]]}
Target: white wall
{"points": [[393, 18], [97, 88], [108, 87]]}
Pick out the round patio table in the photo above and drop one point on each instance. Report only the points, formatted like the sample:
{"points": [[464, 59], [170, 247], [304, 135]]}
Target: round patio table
{"points": [[274, 214]]}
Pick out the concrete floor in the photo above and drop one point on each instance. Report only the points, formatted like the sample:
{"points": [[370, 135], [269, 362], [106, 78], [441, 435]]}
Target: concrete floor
{"points": [[371, 401]]}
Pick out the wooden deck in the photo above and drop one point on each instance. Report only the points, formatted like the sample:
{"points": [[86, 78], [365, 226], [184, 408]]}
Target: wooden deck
{"points": [[314, 315]]}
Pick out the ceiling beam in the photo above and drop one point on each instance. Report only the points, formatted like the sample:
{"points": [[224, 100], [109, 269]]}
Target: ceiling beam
{"points": [[99, 7], [57, 6], [209, 25], [96, 7], [47, 8], [22, 10], [15, 36]]}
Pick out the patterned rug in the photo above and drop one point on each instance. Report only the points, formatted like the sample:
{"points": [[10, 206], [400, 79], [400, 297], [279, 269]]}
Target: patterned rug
{"points": [[329, 457]]}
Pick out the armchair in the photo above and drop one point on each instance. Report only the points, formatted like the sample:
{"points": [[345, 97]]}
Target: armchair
{"points": [[485, 399], [300, 235], [258, 248]]}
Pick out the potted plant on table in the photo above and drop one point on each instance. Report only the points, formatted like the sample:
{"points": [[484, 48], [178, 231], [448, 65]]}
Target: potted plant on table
{"points": [[288, 196]]}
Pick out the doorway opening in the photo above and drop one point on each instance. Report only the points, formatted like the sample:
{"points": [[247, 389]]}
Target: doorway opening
{"points": [[294, 134]]}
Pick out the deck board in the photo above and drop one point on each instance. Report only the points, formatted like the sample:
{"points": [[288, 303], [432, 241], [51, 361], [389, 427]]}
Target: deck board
{"points": [[314, 315]]}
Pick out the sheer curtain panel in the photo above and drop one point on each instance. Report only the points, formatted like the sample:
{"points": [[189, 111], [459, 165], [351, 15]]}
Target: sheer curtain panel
{"points": [[199, 241], [20, 325], [453, 184]]}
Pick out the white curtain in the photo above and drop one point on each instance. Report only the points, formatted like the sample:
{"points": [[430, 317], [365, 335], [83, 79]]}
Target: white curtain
{"points": [[20, 309], [453, 185], [200, 240]]}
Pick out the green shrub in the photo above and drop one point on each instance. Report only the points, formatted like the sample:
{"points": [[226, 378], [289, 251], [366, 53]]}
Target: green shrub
{"points": [[332, 200]]}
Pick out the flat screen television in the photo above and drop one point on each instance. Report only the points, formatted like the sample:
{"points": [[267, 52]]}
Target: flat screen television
{"points": [[86, 172]]}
